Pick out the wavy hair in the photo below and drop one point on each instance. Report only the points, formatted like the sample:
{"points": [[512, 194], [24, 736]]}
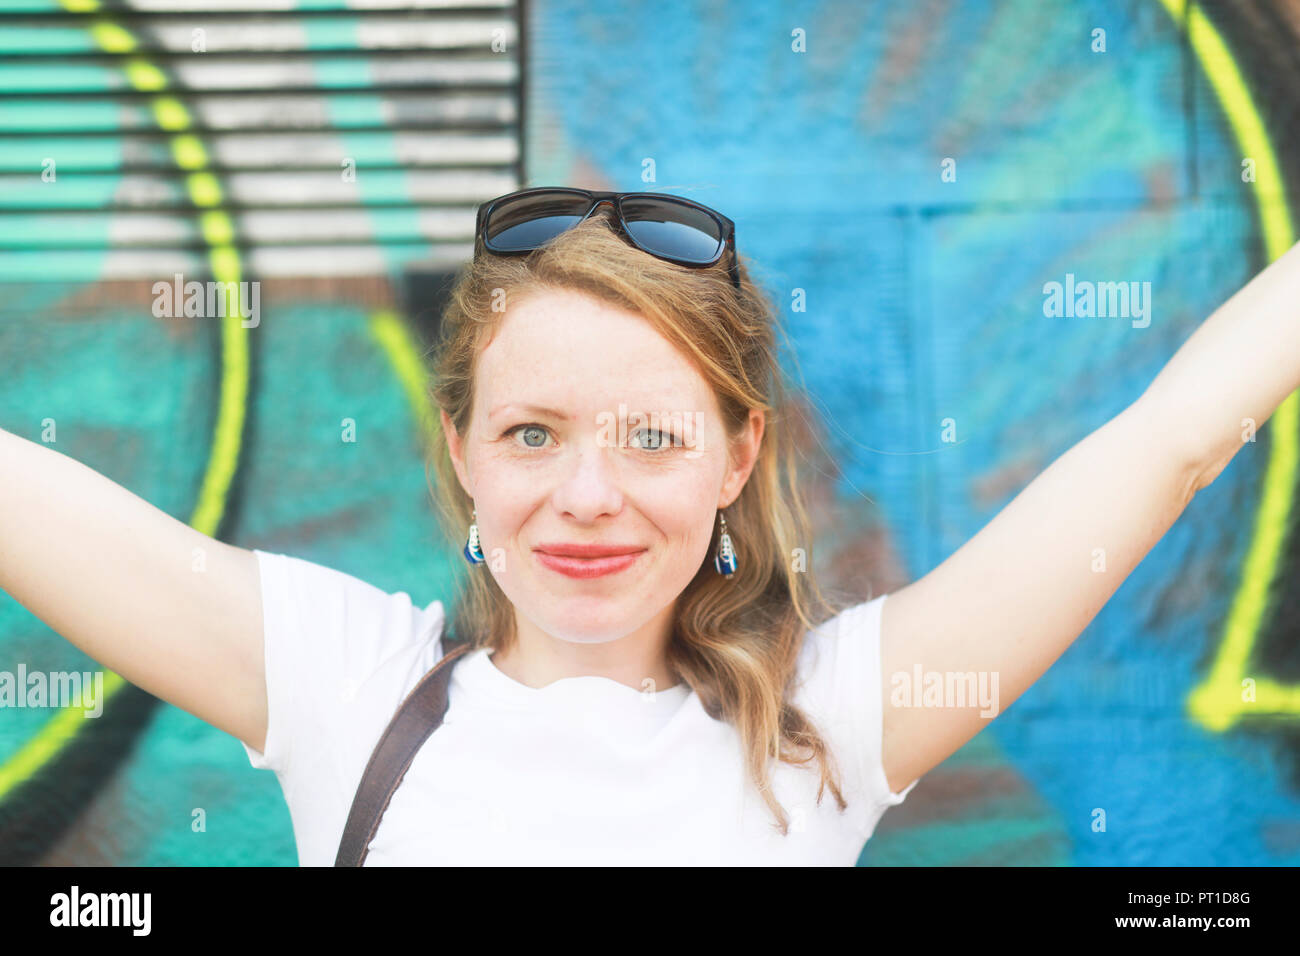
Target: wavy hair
{"points": [[735, 640]]}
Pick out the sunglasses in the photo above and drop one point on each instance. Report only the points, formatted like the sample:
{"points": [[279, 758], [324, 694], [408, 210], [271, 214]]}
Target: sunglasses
{"points": [[667, 227]]}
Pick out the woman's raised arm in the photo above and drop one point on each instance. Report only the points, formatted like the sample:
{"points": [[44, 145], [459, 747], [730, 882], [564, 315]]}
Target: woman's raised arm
{"points": [[1009, 601], [165, 606]]}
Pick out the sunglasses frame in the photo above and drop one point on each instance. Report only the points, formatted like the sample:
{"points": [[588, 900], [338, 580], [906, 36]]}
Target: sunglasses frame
{"points": [[596, 198]]}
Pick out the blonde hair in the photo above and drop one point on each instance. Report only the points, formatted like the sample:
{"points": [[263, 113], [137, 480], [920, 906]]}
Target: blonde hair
{"points": [[735, 640]]}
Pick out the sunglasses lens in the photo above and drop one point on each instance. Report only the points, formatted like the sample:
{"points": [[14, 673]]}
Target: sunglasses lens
{"points": [[527, 222], [671, 229]]}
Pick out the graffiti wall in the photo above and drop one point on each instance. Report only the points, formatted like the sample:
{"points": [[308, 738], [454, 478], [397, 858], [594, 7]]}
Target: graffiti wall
{"points": [[908, 179]]}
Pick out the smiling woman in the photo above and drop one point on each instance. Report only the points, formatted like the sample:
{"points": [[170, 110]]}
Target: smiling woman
{"points": [[538, 355], [607, 693], [617, 683], [565, 348]]}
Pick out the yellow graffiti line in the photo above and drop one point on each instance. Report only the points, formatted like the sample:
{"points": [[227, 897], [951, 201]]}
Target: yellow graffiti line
{"points": [[188, 152], [111, 38], [404, 355], [223, 459], [42, 747], [145, 76], [1217, 702], [204, 189], [170, 114], [217, 228], [230, 415]]}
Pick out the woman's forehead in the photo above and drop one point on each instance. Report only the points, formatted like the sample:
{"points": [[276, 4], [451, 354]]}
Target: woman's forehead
{"points": [[570, 352], [565, 324], [593, 398]]}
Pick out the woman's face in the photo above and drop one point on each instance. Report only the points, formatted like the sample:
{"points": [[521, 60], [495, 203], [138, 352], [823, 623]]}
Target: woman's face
{"points": [[555, 454]]}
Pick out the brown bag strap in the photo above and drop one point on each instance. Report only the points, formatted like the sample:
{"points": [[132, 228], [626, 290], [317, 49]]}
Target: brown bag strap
{"points": [[419, 715]]}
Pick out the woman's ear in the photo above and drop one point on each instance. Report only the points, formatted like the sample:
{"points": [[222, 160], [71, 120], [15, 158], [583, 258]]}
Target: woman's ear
{"points": [[455, 449], [744, 454]]}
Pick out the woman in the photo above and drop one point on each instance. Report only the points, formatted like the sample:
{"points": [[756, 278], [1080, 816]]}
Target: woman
{"points": [[608, 385]]}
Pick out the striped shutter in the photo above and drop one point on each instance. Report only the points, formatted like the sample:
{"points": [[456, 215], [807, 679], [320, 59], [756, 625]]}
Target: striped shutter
{"points": [[312, 139]]}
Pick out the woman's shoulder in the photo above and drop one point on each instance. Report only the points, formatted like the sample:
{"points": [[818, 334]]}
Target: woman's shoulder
{"points": [[851, 630], [341, 619], [335, 645], [840, 685]]}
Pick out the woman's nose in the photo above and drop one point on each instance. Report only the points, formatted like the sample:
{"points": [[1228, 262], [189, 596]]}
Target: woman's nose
{"points": [[591, 485]]}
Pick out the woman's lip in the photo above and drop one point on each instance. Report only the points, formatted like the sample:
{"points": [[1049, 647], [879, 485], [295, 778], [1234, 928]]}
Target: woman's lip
{"points": [[588, 550], [588, 567]]}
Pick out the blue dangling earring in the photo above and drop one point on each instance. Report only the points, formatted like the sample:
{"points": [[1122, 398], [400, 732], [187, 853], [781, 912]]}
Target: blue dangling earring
{"points": [[725, 562], [473, 551]]}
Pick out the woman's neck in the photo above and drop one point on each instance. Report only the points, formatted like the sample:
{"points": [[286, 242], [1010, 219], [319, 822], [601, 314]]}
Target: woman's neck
{"points": [[536, 659]]}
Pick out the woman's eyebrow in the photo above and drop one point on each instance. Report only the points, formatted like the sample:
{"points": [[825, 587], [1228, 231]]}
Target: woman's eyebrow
{"points": [[531, 409], [562, 416]]}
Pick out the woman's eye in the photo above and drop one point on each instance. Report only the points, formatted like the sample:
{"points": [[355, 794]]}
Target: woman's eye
{"points": [[646, 439], [536, 430], [659, 441]]}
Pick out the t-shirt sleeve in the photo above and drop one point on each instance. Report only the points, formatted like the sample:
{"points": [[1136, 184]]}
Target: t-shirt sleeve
{"points": [[324, 633], [843, 687]]}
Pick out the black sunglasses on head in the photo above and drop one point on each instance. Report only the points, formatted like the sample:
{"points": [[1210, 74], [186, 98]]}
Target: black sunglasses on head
{"points": [[667, 227]]}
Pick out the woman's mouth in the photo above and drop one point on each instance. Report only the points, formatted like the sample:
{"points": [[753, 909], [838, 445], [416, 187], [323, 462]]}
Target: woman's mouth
{"points": [[575, 567]]}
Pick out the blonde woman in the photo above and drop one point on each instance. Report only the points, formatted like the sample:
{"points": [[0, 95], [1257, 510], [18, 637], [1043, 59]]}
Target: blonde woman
{"points": [[650, 673]]}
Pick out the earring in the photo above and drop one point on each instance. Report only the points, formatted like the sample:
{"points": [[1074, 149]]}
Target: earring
{"points": [[473, 551], [725, 562]]}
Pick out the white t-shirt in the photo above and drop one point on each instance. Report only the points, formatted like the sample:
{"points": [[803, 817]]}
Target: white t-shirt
{"points": [[583, 771]]}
